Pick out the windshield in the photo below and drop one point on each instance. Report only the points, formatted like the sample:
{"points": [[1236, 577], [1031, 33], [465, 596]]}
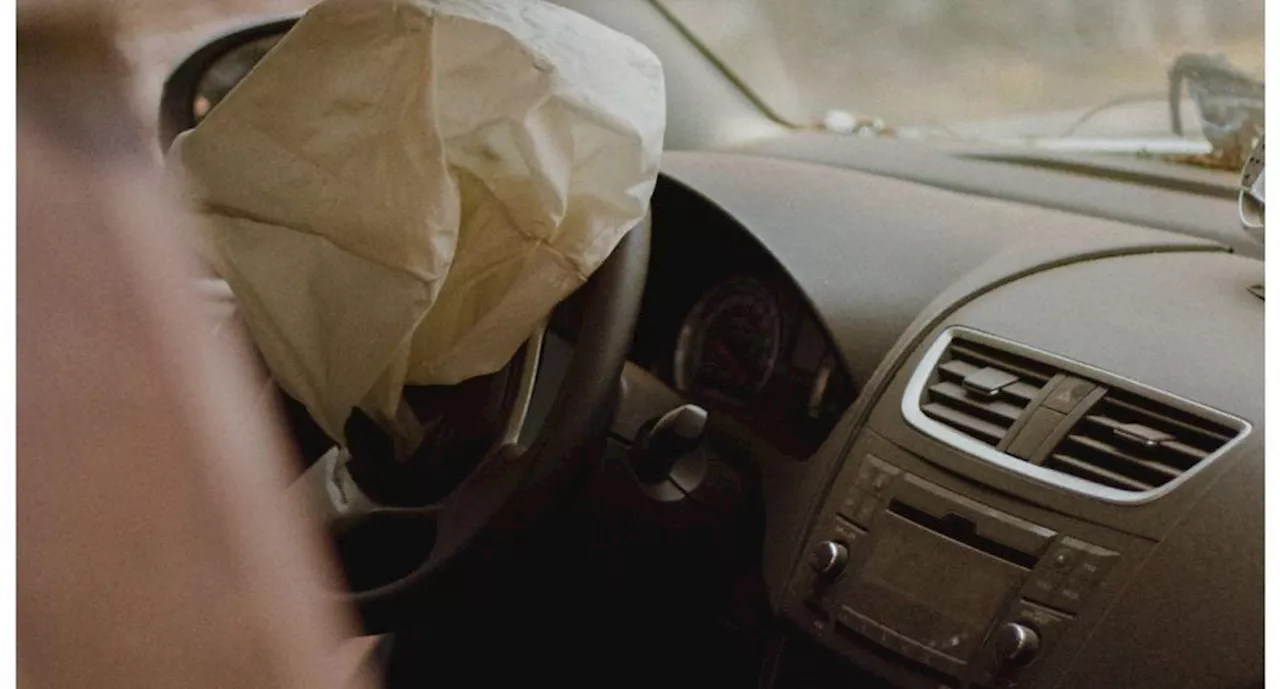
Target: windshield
{"points": [[994, 67]]}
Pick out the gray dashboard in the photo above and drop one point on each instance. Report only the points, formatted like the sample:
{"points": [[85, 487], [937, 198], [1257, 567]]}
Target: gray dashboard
{"points": [[1130, 268], [1147, 192], [872, 252], [887, 265]]}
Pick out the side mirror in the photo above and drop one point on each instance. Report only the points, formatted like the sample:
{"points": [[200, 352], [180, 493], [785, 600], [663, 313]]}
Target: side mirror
{"points": [[1253, 195], [208, 74]]}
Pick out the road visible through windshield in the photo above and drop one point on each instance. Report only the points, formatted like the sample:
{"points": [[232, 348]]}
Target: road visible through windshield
{"points": [[919, 61], [907, 61]]}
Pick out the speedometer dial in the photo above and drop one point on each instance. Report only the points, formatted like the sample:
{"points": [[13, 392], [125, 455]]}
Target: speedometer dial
{"points": [[729, 342]]}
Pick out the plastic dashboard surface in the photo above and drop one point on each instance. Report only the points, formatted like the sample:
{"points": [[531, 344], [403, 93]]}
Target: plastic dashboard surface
{"points": [[888, 264], [1182, 605], [1179, 198], [879, 261], [1184, 324]]}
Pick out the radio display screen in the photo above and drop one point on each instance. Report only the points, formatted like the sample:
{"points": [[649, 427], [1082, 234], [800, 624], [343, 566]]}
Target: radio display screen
{"points": [[930, 588]]}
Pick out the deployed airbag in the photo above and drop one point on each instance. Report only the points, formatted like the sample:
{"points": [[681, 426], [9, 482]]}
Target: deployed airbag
{"points": [[402, 190]]}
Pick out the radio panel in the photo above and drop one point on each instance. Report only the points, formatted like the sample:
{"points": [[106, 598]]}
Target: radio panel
{"points": [[940, 593], [954, 586]]}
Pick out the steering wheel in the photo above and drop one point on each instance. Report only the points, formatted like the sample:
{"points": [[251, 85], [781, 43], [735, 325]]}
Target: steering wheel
{"points": [[510, 486]]}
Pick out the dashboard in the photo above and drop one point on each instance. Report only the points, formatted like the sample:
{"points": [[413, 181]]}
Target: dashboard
{"points": [[1035, 460], [725, 326], [751, 351], [1005, 409]]}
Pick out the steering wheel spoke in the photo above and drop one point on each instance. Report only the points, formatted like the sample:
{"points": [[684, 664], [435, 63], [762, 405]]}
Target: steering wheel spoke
{"points": [[335, 497], [499, 494]]}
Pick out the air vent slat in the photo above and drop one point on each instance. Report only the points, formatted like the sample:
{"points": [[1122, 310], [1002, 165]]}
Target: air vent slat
{"points": [[1193, 434], [1171, 452], [977, 428], [984, 356], [1015, 382], [1023, 391], [1108, 453], [956, 369], [993, 409], [1185, 450], [1137, 444], [1070, 465]]}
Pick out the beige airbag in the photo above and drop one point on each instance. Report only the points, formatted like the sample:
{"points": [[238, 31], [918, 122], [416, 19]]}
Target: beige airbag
{"points": [[403, 189]]}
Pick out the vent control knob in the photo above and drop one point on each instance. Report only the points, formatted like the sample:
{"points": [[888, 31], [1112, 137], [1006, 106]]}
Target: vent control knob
{"points": [[1016, 644], [829, 558]]}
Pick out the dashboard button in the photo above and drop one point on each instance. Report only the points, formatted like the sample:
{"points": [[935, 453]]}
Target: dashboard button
{"points": [[880, 482], [1040, 617], [866, 512], [852, 503], [1070, 595], [875, 475], [1063, 557], [885, 473], [1068, 393], [1095, 564], [1088, 571], [1042, 585]]}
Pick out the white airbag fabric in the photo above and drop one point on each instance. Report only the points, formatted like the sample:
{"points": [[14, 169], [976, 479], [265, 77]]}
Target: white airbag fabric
{"points": [[402, 189]]}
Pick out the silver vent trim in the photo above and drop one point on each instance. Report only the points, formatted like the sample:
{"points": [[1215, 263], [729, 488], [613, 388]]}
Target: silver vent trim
{"points": [[923, 374]]}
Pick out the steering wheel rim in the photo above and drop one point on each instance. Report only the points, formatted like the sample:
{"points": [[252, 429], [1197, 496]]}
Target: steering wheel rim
{"points": [[509, 487]]}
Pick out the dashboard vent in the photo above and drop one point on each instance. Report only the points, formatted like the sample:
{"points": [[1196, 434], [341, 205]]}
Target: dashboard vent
{"points": [[1135, 444], [981, 391]]}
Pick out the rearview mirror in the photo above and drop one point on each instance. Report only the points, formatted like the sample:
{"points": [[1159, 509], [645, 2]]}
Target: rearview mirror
{"points": [[206, 76]]}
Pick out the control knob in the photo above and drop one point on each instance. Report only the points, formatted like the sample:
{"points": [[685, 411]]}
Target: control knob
{"points": [[828, 558], [1016, 644]]}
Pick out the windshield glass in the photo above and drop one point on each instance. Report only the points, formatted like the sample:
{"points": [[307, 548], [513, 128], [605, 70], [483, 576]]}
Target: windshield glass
{"points": [[994, 67]]}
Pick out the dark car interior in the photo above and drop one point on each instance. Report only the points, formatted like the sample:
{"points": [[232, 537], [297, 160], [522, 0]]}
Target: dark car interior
{"points": [[893, 413]]}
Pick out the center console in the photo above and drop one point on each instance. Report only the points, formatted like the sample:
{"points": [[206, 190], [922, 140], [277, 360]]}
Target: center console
{"points": [[908, 570], [998, 501]]}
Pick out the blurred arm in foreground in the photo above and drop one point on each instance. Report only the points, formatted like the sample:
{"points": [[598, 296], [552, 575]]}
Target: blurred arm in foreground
{"points": [[155, 547]]}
